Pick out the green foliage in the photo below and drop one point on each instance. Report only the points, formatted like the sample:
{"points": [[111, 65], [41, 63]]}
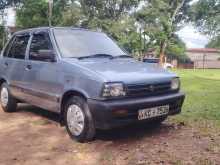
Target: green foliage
{"points": [[176, 49], [106, 9], [72, 15], [160, 19], [214, 43], [110, 16], [7, 3], [125, 33], [2, 37], [34, 13], [206, 16]]}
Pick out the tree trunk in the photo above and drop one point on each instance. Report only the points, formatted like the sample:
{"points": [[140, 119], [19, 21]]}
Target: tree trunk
{"points": [[163, 46]]}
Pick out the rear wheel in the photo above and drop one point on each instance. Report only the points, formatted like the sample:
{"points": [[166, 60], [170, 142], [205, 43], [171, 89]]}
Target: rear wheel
{"points": [[8, 102], [78, 119]]}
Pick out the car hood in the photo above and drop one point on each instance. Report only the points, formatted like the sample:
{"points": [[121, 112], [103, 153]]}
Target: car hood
{"points": [[128, 71]]}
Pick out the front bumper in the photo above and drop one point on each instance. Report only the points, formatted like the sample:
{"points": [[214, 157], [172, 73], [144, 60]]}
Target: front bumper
{"points": [[105, 118]]}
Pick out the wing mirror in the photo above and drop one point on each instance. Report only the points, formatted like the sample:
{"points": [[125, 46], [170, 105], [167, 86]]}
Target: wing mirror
{"points": [[46, 55]]}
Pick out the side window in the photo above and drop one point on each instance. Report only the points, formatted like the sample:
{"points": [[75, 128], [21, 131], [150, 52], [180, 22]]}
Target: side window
{"points": [[40, 42], [18, 48], [5, 53]]}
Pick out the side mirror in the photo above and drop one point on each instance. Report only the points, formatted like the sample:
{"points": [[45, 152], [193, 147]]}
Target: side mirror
{"points": [[46, 55]]}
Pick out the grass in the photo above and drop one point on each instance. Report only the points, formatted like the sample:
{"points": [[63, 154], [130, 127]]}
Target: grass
{"points": [[202, 88]]}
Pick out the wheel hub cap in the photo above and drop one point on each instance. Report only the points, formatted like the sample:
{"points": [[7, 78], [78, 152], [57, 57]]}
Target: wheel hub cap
{"points": [[4, 97], [75, 119]]}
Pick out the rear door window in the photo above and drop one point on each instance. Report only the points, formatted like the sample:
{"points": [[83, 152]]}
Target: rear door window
{"points": [[18, 48]]}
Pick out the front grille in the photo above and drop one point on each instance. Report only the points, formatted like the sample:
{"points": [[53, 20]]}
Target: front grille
{"points": [[149, 89]]}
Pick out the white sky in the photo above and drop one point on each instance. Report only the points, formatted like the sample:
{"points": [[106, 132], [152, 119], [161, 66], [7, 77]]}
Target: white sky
{"points": [[188, 34], [192, 37], [10, 17]]}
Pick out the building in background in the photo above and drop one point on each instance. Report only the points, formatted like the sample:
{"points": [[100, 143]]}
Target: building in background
{"points": [[9, 21], [204, 57]]}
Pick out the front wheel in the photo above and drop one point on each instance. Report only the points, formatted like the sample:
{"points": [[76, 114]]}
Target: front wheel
{"points": [[8, 102], [78, 119]]}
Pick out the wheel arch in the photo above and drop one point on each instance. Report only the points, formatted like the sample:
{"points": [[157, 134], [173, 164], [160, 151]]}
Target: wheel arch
{"points": [[66, 97], [2, 80]]}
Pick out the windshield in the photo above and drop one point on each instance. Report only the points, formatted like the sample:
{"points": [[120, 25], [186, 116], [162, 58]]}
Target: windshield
{"points": [[81, 43]]}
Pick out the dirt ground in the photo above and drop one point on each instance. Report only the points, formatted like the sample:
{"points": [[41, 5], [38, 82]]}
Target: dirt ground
{"points": [[33, 136]]}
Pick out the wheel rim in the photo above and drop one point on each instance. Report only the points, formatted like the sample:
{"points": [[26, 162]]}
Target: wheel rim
{"points": [[75, 119], [4, 96]]}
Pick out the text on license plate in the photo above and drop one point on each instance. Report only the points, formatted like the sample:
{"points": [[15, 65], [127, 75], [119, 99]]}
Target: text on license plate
{"points": [[153, 112]]}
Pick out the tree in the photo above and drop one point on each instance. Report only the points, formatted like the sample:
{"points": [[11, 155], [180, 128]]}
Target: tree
{"points": [[214, 43], [2, 37], [72, 15], [160, 20], [176, 49], [110, 16], [34, 13], [206, 16], [105, 9], [8, 3], [4, 4]]}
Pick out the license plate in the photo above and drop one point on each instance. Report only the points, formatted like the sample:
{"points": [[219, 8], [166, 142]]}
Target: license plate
{"points": [[153, 112]]}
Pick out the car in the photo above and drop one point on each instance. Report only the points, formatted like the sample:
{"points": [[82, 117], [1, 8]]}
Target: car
{"points": [[156, 62], [152, 60], [86, 78], [168, 66]]}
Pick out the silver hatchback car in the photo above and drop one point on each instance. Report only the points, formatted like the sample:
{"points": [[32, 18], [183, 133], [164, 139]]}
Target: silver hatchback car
{"points": [[86, 78]]}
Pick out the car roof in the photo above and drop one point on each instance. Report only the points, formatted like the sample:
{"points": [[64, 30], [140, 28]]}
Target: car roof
{"points": [[48, 28]]}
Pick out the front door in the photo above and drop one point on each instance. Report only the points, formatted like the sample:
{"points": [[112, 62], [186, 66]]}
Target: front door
{"points": [[41, 74]]}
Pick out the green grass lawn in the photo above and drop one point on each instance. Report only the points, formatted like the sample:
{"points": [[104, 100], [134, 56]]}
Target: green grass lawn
{"points": [[202, 88]]}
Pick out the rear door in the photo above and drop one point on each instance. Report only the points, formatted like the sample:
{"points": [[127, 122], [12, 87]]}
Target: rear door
{"points": [[4, 59], [14, 62]]}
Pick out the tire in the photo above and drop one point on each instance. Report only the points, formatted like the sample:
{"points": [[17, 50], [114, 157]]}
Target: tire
{"points": [[8, 102], [78, 120]]}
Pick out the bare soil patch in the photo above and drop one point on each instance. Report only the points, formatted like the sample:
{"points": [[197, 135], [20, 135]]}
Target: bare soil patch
{"points": [[33, 136]]}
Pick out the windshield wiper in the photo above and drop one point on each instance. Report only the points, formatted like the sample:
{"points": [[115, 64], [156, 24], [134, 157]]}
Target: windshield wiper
{"points": [[122, 56], [96, 56]]}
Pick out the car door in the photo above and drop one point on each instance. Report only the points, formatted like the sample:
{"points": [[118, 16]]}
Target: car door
{"points": [[4, 59], [41, 73], [14, 62]]}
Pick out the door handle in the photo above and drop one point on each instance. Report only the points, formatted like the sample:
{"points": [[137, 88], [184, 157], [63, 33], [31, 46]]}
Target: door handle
{"points": [[6, 64], [28, 67]]}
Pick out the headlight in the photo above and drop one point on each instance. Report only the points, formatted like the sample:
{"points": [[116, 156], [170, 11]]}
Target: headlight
{"points": [[113, 90], [175, 84]]}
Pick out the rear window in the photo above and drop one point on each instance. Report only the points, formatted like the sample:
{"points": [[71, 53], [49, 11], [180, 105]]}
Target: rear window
{"points": [[18, 48]]}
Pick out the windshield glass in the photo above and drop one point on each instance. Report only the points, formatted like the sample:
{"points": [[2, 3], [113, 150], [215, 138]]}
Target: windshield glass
{"points": [[82, 43]]}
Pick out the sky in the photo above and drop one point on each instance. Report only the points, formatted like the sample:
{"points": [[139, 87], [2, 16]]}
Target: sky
{"points": [[188, 34], [192, 37]]}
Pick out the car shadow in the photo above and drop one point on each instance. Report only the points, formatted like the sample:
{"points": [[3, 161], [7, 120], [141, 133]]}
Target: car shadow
{"points": [[134, 131], [38, 111]]}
